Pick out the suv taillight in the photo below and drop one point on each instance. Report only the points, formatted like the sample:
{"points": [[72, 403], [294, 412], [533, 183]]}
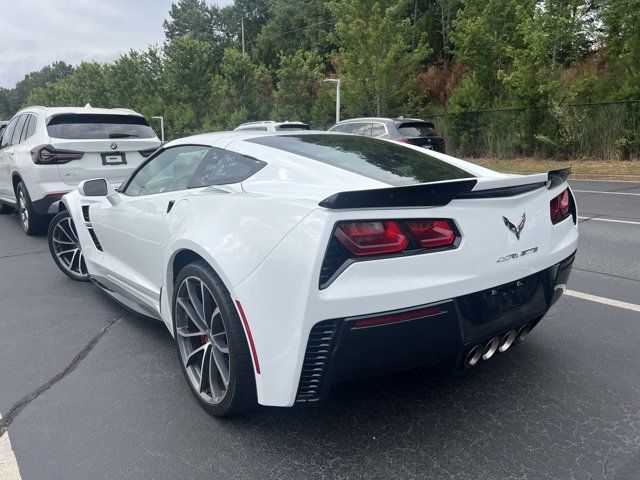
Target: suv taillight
{"points": [[146, 153], [369, 239], [561, 207], [47, 155]]}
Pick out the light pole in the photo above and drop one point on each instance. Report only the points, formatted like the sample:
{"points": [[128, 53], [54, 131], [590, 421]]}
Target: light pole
{"points": [[161, 118], [337, 82]]}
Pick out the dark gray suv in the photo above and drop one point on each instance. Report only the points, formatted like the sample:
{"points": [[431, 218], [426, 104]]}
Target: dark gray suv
{"points": [[406, 130]]}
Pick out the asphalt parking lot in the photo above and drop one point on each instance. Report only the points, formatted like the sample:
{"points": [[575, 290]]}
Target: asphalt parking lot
{"points": [[91, 391]]}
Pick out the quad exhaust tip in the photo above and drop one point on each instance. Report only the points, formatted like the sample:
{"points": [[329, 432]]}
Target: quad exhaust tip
{"points": [[496, 344], [523, 331], [490, 348], [473, 357], [507, 340]]}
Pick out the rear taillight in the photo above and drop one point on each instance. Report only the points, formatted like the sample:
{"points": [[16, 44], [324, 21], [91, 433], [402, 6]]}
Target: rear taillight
{"points": [[47, 155], [371, 238], [402, 140], [431, 233], [364, 240], [561, 207], [146, 153]]}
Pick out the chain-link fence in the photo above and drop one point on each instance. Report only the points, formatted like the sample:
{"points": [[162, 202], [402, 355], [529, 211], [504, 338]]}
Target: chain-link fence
{"points": [[599, 131]]}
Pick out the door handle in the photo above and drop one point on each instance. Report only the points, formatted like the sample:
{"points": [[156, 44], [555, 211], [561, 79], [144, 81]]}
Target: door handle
{"points": [[170, 205]]}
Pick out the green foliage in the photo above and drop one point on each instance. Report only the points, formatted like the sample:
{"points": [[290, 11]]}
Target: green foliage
{"points": [[526, 58], [375, 58]]}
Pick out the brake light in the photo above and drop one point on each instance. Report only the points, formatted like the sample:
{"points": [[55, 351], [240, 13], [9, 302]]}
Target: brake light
{"points": [[47, 155], [431, 233], [561, 207], [402, 140], [371, 238], [146, 153]]}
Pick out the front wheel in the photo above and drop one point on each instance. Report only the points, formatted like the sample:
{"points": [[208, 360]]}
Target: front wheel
{"points": [[212, 347], [65, 247]]}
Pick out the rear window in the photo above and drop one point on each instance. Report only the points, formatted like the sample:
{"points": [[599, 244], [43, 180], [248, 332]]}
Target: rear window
{"points": [[380, 160], [417, 129], [90, 126], [293, 126]]}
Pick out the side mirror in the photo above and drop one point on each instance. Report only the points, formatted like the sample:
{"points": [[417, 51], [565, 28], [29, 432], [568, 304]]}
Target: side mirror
{"points": [[99, 187]]}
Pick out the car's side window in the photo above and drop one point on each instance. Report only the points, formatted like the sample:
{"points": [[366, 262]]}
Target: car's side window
{"points": [[221, 167], [377, 130], [169, 171], [29, 127], [15, 138], [8, 133], [339, 128], [359, 128]]}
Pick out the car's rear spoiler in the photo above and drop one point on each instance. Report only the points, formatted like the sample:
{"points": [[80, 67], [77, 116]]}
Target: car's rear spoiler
{"points": [[438, 194]]}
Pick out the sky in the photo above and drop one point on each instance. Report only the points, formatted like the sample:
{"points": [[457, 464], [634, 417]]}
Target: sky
{"points": [[35, 33]]}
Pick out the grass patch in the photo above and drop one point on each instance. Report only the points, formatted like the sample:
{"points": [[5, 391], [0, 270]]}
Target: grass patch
{"points": [[595, 168]]}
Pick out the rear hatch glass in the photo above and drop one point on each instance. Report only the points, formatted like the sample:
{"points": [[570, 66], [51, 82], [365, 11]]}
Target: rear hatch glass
{"points": [[380, 160], [293, 126], [95, 126], [417, 129]]}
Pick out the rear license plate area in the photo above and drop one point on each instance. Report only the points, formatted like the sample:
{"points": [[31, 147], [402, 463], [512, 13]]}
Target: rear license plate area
{"points": [[113, 158]]}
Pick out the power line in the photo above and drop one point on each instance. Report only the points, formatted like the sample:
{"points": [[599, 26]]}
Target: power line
{"points": [[292, 31]]}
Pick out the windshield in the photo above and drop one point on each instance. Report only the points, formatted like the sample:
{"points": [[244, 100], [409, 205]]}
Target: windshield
{"points": [[381, 160], [99, 127]]}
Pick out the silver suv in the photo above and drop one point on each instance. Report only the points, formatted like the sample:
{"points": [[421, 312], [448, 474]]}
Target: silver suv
{"points": [[46, 152]]}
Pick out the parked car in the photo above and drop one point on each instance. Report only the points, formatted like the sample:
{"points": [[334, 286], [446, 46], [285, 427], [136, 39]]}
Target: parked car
{"points": [[406, 130], [271, 126], [45, 152], [3, 125], [284, 262]]}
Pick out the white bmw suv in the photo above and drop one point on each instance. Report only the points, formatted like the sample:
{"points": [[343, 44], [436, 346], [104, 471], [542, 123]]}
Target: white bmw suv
{"points": [[46, 152]]}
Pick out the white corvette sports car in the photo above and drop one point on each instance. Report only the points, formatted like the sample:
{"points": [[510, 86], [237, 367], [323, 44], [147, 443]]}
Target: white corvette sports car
{"points": [[284, 262]]}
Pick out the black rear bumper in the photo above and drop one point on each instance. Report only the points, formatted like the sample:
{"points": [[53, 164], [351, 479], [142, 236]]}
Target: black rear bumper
{"points": [[440, 333]]}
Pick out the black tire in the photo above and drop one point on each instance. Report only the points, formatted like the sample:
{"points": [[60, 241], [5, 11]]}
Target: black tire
{"points": [[31, 222], [240, 394], [4, 209], [62, 236]]}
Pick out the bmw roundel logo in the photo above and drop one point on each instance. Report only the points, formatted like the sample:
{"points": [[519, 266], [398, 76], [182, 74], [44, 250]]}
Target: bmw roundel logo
{"points": [[114, 146]]}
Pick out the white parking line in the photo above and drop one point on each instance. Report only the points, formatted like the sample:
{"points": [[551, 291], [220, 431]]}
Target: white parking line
{"points": [[8, 465], [599, 219], [607, 193], [605, 301]]}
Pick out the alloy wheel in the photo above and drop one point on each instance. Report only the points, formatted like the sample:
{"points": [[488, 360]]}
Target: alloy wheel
{"points": [[202, 340], [23, 211], [67, 249]]}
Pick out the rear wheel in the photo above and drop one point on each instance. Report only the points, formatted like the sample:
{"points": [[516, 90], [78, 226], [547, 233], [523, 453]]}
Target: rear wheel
{"points": [[65, 247], [32, 223], [4, 208], [212, 347]]}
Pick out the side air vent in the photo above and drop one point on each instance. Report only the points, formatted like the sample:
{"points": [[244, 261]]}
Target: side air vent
{"points": [[87, 223], [94, 237], [316, 360], [85, 213]]}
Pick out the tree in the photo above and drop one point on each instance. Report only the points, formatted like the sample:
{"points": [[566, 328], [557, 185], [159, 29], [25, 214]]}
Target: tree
{"points": [[191, 17], [376, 61], [298, 82]]}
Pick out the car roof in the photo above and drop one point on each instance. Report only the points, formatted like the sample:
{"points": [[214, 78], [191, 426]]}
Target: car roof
{"points": [[248, 125], [382, 119], [50, 111]]}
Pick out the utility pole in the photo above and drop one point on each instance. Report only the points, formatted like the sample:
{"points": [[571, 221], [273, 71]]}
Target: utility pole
{"points": [[161, 118], [337, 82], [242, 28]]}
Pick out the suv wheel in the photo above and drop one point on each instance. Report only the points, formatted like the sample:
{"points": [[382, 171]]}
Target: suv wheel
{"points": [[32, 223], [212, 346], [65, 247]]}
